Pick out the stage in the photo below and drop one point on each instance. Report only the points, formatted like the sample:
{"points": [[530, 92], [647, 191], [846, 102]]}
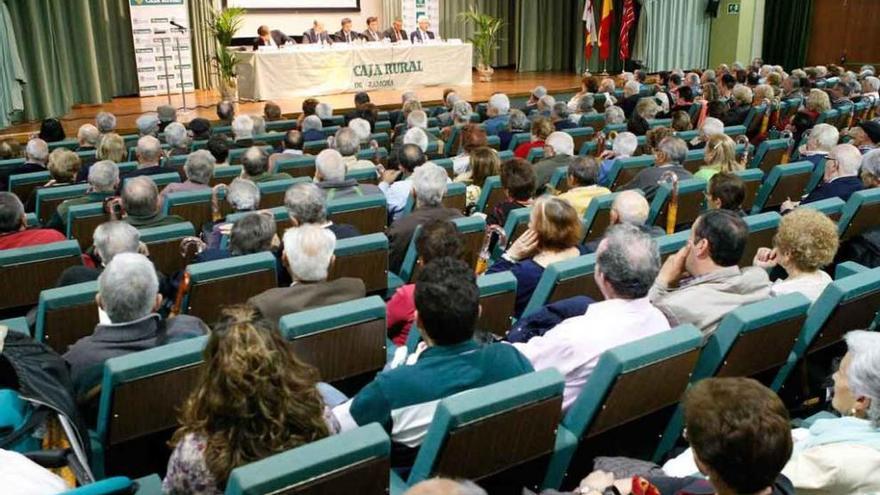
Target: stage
{"points": [[128, 109]]}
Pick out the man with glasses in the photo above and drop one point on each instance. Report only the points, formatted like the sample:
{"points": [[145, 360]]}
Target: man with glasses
{"points": [[840, 180]]}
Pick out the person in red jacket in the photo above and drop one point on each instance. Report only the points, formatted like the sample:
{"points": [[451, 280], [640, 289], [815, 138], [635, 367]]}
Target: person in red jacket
{"points": [[13, 226], [541, 128]]}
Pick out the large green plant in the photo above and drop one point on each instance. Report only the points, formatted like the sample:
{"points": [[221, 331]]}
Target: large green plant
{"points": [[223, 25], [486, 29]]}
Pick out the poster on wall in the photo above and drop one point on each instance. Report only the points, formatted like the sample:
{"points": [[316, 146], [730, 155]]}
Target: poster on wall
{"points": [[413, 9], [156, 42]]}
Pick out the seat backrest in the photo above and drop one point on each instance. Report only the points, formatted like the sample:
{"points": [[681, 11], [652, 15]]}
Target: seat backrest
{"points": [[762, 228], [694, 160], [497, 302], [194, 206], [164, 245], [473, 232], [161, 180], [690, 203], [580, 135], [535, 155], [670, 243], [364, 257], [597, 216], [784, 182], [28, 270], [48, 199], [117, 485], [214, 284], [236, 154], [281, 125], [22, 185], [66, 314], [296, 166], [517, 417], [491, 194], [564, 279], [356, 461], [354, 329], [516, 224], [455, 196], [752, 178], [225, 175], [558, 181], [142, 392], [82, 220], [735, 130], [860, 213], [272, 192], [831, 207], [368, 214], [625, 169], [769, 154], [523, 137]]}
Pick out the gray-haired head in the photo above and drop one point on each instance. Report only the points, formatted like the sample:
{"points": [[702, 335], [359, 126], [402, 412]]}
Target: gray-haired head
{"points": [[112, 238], [863, 374], [630, 207], [418, 137], [199, 167], [88, 135], [128, 287], [176, 135], [408, 95], [675, 150], [546, 102], [451, 99], [252, 233], [823, 137], [871, 165], [140, 197], [429, 184], [243, 195], [148, 125], [309, 250], [11, 212], [259, 124], [614, 115], [539, 92], [560, 110], [518, 120], [461, 111], [361, 129], [243, 127], [305, 204], [586, 104], [225, 111], [106, 122], [312, 123], [148, 151], [330, 166], [500, 103], [37, 151], [346, 142], [628, 260], [417, 118], [104, 176], [255, 161], [324, 110]]}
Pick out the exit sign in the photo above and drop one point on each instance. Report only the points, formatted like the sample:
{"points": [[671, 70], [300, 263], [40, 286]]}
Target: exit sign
{"points": [[733, 8]]}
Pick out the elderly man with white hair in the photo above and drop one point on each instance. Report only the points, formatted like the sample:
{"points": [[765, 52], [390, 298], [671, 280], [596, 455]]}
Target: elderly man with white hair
{"points": [[87, 137], [669, 157], [544, 107], [614, 115], [36, 156], [241, 195], [243, 131], [871, 169], [823, 137], [177, 137], [312, 128], [711, 127], [497, 110], [624, 146], [103, 182], [306, 204], [308, 255], [416, 119], [330, 170], [429, 187], [841, 177], [147, 125], [105, 122], [128, 293], [422, 34], [141, 206], [630, 208], [631, 95], [324, 111], [199, 170], [558, 152], [560, 116], [109, 239], [418, 137], [362, 130], [348, 144], [870, 88], [149, 156]]}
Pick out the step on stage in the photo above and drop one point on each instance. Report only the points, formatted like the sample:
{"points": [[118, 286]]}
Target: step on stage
{"points": [[128, 109]]}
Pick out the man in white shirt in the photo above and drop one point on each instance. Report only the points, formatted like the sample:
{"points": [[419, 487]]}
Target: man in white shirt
{"points": [[422, 34], [627, 261], [397, 192]]}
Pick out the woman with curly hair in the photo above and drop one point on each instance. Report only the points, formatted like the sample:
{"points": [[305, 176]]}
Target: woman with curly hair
{"points": [[805, 242], [255, 399]]}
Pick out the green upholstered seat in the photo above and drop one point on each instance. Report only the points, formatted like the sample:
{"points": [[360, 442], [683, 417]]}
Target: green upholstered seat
{"points": [[558, 180], [580, 135], [624, 169], [19, 324], [369, 214], [627, 400], [162, 180], [690, 203], [535, 155], [296, 166], [28, 270], [455, 197], [225, 175], [48, 199], [22, 185], [272, 192], [787, 181], [281, 125], [70, 144], [364, 257], [597, 216], [353, 329], [762, 227], [356, 461], [497, 302], [214, 284], [848, 268], [832, 207], [490, 194], [671, 243], [365, 175], [516, 224], [66, 314], [564, 279], [752, 178], [735, 130], [194, 206], [769, 154], [520, 138], [164, 245], [117, 485], [860, 213], [82, 220], [472, 230]]}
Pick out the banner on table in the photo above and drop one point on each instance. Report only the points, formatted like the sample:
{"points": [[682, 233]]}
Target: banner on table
{"points": [[303, 72], [151, 28], [413, 9]]}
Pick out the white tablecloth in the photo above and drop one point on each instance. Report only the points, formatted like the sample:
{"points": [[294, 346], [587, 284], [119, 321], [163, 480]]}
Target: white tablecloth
{"points": [[312, 70]]}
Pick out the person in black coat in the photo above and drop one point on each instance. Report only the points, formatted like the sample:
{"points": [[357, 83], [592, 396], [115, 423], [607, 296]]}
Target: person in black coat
{"points": [[396, 33], [274, 38], [317, 34], [422, 34], [346, 35], [841, 177]]}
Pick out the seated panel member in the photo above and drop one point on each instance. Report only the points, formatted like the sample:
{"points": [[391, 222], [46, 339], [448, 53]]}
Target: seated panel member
{"points": [[372, 33], [317, 34], [422, 34], [396, 33], [275, 38], [346, 35]]}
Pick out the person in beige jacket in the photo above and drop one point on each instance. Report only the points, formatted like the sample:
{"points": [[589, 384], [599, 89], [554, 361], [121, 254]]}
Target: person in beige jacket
{"points": [[717, 285]]}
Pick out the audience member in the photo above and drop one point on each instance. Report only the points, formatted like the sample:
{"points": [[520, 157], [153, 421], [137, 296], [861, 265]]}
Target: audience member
{"points": [[726, 191], [865, 136], [330, 169], [243, 132], [540, 131], [741, 98], [519, 183], [840, 180], [36, 155], [108, 240], [198, 169], [87, 137], [681, 121], [312, 129], [105, 122], [141, 205], [252, 233], [51, 131], [719, 156], [64, 166], [440, 486], [870, 173], [200, 129], [225, 112], [472, 138], [178, 139], [586, 107], [148, 125], [306, 204], [255, 166], [272, 111], [218, 146], [397, 183], [484, 163], [631, 97], [110, 147], [103, 183], [536, 94], [149, 157], [9, 149], [623, 146], [166, 114], [582, 181], [14, 231], [348, 144], [558, 152], [614, 115], [561, 118], [498, 109], [668, 159]]}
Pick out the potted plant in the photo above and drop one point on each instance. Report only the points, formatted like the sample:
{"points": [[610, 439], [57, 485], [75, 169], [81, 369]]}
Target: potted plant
{"points": [[223, 25], [485, 39]]}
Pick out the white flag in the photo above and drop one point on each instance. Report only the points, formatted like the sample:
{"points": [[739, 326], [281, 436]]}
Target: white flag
{"points": [[589, 23]]}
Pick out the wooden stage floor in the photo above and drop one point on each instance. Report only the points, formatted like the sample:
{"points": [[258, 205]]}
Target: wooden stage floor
{"points": [[128, 109]]}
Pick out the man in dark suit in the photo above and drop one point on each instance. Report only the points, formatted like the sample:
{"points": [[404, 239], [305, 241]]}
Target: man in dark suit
{"points": [[36, 155], [422, 34], [841, 178], [396, 33], [149, 157], [317, 34], [274, 38], [372, 33], [346, 35], [308, 254]]}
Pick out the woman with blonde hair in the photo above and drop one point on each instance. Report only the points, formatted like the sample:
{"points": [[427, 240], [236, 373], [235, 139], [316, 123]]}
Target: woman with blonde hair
{"points": [[720, 156], [484, 163], [63, 166], [112, 147], [255, 399]]}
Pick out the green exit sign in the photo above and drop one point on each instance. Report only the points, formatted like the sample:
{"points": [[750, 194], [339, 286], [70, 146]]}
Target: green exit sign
{"points": [[733, 8]]}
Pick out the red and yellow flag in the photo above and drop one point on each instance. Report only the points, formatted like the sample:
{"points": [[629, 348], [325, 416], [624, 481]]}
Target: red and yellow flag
{"points": [[605, 30]]}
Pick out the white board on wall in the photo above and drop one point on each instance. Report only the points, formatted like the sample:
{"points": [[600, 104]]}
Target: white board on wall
{"points": [[295, 4]]}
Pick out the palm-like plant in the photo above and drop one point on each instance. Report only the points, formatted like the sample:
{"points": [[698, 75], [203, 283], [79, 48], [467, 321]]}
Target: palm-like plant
{"points": [[223, 25], [485, 38]]}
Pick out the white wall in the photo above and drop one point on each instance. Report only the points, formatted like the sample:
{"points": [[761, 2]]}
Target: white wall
{"points": [[293, 24]]}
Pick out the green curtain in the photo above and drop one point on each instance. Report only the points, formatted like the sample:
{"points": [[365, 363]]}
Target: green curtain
{"points": [[12, 75], [548, 33], [390, 10], [787, 32], [452, 27], [672, 34], [73, 51], [203, 44]]}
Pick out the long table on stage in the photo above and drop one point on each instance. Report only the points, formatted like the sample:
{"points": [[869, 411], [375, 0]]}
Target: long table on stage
{"points": [[312, 70]]}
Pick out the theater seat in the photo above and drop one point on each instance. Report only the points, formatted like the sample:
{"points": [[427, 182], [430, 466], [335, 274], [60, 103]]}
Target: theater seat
{"points": [[272, 192], [141, 395], [669, 244], [22, 185], [28, 270], [499, 436], [769, 154], [368, 213], [66, 314], [214, 284], [535, 155], [356, 461], [194, 206], [762, 227], [120, 485], [455, 197], [523, 137], [364, 257], [473, 232], [625, 169], [490, 194], [345, 342], [516, 224], [296, 166], [161, 180], [787, 181], [580, 135], [48, 199], [862, 212], [235, 154], [752, 178], [82, 220], [690, 203], [597, 216], [497, 302], [627, 401], [164, 245], [832, 207], [558, 181], [564, 279]]}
